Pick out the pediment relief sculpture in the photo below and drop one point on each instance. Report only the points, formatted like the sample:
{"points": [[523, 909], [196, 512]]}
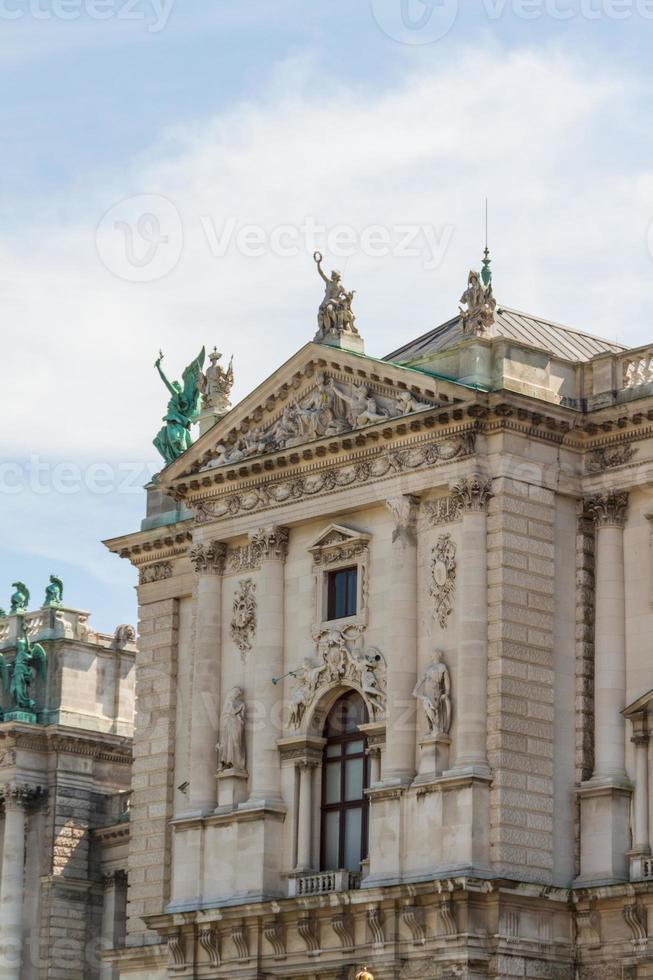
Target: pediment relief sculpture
{"points": [[340, 659], [329, 409], [338, 543]]}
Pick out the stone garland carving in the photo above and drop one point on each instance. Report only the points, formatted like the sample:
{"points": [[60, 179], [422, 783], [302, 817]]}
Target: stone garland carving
{"points": [[609, 509], [243, 621], [335, 478], [231, 747], [338, 663], [328, 410], [433, 690], [156, 572], [472, 494], [598, 460], [209, 558], [443, 578]]}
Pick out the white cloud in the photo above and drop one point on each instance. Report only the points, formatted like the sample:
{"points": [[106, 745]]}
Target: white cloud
{"points": [[529, 129]]}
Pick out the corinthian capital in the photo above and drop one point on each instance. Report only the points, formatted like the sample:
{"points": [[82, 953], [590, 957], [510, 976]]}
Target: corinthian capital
{"points": [[16, 795], [404, 513], [209, 559], [608, 510], [472, 494], [270, 543]]}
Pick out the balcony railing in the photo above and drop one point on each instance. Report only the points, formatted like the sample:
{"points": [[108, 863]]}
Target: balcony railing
{"points": [[323, 882]]}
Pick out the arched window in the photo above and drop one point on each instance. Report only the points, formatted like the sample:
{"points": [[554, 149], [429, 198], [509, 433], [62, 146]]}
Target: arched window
{"points": [[345, 777]]}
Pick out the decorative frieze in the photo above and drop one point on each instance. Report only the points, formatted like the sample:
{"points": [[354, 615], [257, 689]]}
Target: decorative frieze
{"points": [[608, 457], [442, 587], [210, 558], [156, 572], [334, 478], [243, 620], [608, 510], [243, 559], [472, 494]]}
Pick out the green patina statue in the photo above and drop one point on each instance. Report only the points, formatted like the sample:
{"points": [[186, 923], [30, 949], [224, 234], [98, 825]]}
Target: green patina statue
{"points": [[20, 598], [3, 613], [53, 592], [183, 409], [18, 675]]}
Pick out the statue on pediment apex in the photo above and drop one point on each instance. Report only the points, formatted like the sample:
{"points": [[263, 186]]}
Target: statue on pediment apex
{"points": [[480, 303], [335, 315], [174, 437], [216, 384]]}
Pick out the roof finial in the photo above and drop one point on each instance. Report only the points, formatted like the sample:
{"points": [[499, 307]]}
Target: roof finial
{"points": [[486, 271]]}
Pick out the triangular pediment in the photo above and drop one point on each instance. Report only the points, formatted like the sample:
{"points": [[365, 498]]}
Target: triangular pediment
{"points": [[336, 535], [320, 393]]}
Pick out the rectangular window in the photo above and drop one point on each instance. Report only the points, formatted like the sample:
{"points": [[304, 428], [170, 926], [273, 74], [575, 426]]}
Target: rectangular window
{"points": [[342, 586]]}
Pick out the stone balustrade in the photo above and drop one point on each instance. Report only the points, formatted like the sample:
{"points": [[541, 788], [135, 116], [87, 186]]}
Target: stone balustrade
{"points": [[323, 882]]}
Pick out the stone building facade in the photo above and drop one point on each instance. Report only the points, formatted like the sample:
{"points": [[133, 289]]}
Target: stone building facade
{"points": [[65, 782], [394, 667]]}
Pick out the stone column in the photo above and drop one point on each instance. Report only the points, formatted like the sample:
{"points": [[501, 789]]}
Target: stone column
{"points": [[401, 633], [472, 497], [605, 798], [16, 799], [305, 821], [112, 882], [609, 514], [209, 561], [264, 765], [640, 738]]}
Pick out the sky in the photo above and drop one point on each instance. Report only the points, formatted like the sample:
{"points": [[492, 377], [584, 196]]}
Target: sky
{"points": [[170, 166]]}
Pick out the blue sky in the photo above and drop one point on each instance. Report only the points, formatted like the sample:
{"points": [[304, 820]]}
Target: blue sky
{"points": [[219, 116]]}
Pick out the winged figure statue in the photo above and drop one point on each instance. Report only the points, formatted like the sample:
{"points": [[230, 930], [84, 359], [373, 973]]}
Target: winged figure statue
{"points": [[18, 675], [183, 409]]}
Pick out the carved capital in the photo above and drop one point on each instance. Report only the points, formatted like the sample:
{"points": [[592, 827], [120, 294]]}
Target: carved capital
{"points": [[20, 795], [608, 510], [209, 559], [472, 494], [112, 878], [271, 543], [404, 510]]}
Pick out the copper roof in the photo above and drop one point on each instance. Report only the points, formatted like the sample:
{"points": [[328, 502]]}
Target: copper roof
{"points": [[533, 331]]}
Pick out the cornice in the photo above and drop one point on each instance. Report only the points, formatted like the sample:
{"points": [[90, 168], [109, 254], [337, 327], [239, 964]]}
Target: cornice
{"points": [[98, 745], [115, 833], [157, 544]]}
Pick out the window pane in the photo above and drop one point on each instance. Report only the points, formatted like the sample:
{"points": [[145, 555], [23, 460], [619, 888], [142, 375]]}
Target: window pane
{"points": [[332, 787], [332, 750], [353, 747], [352, 577], [354, 779], [332, 841], [353, 838]]}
